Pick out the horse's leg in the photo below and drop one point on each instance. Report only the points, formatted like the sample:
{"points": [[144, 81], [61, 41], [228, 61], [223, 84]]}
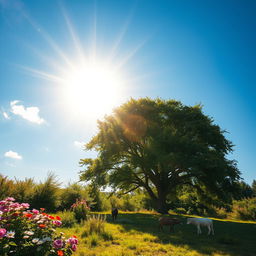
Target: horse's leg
{"points": [[209, 229], [198, 229]]}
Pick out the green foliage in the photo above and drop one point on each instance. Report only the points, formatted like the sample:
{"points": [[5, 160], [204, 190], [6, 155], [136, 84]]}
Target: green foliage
{"points": [[24, 190], [68, 218], [254, 188], [244, 190], [244, 209], [47, 193], [6, 187], [159, 146], [99, 200], [71, 193]]}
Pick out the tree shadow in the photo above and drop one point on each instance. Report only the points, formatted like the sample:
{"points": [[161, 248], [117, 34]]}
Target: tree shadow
{"points": [[231, 238]]}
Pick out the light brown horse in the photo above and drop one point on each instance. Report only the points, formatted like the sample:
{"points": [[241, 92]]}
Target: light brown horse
{"points": [[167, 221]]}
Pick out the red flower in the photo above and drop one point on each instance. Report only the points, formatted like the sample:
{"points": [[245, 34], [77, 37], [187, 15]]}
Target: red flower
{"points": [[42, 209], [28, 215], [74, 236], [51, 217], [58, 218], [41, 225], [60, 253]]}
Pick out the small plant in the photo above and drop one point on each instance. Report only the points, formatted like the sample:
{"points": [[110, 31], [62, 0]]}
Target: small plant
{"points": [[81, 210], [95, 224], [93, 240], [107, 236], [31, 232]]}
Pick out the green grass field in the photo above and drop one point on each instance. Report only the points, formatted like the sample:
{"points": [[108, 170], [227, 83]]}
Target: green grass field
{"points": [[138, 234]]}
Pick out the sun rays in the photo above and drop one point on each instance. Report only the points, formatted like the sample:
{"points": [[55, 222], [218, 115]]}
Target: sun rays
{"points": [[88, 83]]}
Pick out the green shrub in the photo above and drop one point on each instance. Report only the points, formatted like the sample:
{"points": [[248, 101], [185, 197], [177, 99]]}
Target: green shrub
{"points": [[244, 209], [47, 194], [24, 190], [221, 213], [68, 219], [70, 194], [6, 187], [81, 210]]}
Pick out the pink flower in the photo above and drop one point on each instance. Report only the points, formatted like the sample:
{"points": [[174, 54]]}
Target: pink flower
{"points": [[35, 211], [57, 223], [9, 199], [25, 205], [72, 240], [58, 243], [73, 247], [2, 232]]}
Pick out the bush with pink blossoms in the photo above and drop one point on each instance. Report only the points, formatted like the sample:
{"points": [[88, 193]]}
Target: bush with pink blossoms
{"points": [[26, 232], [81, 210]]}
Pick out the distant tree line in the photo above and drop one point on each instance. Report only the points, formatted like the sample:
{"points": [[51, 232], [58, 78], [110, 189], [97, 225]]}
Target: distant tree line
{"points": [[51, 195]]}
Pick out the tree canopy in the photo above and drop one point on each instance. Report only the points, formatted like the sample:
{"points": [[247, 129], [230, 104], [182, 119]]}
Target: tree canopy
{"points": [[160, 146]]}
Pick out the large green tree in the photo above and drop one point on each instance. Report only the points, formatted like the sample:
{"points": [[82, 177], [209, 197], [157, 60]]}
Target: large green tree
{"points": [[161, 145]]}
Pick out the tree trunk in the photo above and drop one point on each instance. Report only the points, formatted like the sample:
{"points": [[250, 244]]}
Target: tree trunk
{"points": [[162, 206]]}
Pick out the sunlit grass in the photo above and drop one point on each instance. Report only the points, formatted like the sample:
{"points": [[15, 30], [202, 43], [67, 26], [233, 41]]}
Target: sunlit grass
{"points": [[138, 234]]}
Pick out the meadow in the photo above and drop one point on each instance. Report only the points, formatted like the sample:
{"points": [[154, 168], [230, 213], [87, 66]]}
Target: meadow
{"points": [[137, 233]]}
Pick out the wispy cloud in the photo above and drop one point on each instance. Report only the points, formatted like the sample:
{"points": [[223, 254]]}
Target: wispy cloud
{"points": [[79, 144], [29, 113], [12, 154], [6, 116]]}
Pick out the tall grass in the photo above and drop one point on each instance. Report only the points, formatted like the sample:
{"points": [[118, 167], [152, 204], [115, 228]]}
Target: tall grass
{"points": [[95, 224]]}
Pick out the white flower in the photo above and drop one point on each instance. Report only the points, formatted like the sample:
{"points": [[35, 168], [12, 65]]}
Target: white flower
{"points": [[10, 234], [25, 237], [35, 240], [29, 233]]}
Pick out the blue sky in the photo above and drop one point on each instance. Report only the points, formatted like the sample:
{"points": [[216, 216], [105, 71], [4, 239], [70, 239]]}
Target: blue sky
{"points": [[192, 51]]}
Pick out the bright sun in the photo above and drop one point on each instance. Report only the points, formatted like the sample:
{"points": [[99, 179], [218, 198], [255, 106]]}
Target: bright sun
{"points": [[93, 85], [92, 89]]}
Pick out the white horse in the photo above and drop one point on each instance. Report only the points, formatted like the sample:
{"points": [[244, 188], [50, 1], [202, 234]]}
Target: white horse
{"points": [[201, 222]]}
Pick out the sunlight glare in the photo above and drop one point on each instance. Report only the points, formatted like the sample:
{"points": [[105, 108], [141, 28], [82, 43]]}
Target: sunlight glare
{"points": [[92, 89]]}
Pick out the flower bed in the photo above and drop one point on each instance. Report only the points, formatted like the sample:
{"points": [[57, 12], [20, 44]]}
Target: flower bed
{"points": [[26, 232]]}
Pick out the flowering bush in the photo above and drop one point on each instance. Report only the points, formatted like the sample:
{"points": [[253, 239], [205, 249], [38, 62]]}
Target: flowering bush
{"points": [[26, 232], [81, 210]]}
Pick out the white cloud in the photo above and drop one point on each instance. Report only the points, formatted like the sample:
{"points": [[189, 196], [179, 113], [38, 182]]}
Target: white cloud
{"points": [[12, 154], [6, 116], [30, 113], [79, 144]]}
